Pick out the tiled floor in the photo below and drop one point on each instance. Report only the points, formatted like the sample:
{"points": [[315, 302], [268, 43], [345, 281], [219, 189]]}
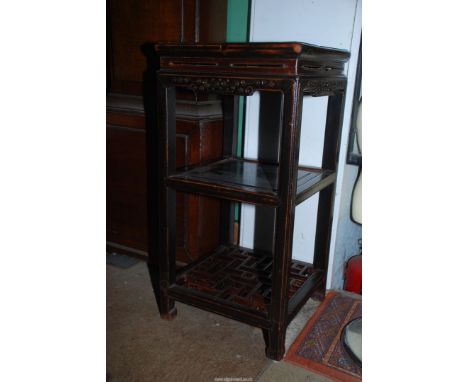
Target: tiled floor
{"points": [[196, 346]]}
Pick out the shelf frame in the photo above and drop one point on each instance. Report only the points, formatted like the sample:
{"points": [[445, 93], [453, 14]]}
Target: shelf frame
{"points": [[231, 70]]}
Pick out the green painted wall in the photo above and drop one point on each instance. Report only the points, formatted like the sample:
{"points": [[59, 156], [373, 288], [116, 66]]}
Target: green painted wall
{"points": [[237, 20], [238, 31], [238, 12]]}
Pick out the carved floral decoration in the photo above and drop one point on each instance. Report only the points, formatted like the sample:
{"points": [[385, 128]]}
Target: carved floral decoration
{"points": [[323, 87], [223, 85]]}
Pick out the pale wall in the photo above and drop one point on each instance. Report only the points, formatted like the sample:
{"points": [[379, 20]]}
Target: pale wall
{"points": [[333, 23]]}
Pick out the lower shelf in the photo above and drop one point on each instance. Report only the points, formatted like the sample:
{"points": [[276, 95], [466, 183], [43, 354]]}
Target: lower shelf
{"points": [[233, 280]]}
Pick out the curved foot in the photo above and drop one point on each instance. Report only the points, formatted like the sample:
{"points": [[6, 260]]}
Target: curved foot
{"points": [[274, 354], [274, 341], [169, 316]]}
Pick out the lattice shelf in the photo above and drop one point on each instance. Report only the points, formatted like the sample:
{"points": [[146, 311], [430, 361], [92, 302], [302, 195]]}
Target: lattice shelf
{"points": [[241, 276]]}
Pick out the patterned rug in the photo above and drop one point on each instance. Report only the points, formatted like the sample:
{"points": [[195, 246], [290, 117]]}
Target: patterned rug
{"points": [[318, 347]]}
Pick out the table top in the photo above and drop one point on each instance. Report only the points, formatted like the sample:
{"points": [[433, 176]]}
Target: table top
{"points": [[252, 49], [253, 59]]}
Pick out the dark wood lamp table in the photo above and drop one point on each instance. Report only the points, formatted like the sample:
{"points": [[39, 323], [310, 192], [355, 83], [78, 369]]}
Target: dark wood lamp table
{"points": [[263, 288]]}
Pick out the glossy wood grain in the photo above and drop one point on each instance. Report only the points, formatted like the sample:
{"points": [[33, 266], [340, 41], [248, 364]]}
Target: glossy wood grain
{"points": [[199, 138], [132, 23]]}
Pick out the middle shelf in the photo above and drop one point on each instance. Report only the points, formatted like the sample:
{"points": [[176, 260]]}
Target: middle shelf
{"points": [[247, 181]]}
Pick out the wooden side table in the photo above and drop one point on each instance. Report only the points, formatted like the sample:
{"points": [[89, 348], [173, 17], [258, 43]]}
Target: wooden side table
{"points": [[261, 288]]}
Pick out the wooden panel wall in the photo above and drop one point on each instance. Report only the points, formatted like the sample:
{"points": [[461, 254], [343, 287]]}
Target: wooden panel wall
{"points": [[126, 196], [131, 24]]}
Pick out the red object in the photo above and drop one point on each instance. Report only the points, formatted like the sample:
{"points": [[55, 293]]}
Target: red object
{"points": [[318, 347], [353, 275]]}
